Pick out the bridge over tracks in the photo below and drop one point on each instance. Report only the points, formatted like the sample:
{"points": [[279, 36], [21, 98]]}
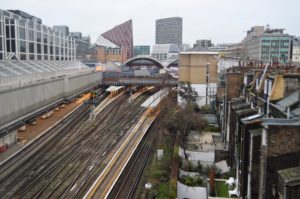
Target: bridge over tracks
{"points": [[140, 81]]}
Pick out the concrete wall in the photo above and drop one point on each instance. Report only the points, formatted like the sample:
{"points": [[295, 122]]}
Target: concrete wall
{"points": [[20, 101], [192, 68], [187, 173], [208, 156], [201, 90], [184, 191]]}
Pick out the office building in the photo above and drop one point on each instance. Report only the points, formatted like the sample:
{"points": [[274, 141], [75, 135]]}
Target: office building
{"points": [[271, 44], [63, 29], [202, 45], [24, 37], [165, 52], [200, 69], [169, 31], [122, 36], [296, 50], [84, 50], [141, 50], [233, 50], [220, 48]]}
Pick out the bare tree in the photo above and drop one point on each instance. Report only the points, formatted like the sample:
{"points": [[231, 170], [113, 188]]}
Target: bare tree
{"points": [[182, 119], [187, 93], [187, 120]]}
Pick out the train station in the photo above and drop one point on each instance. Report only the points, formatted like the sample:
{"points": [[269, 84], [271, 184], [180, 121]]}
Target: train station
{"points": [[111, 119]]}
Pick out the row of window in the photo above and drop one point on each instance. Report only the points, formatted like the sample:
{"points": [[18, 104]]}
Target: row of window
{"points": [[26, 38], [113, 51], [41, 57]]}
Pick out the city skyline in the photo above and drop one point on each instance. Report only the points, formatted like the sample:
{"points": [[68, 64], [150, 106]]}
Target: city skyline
{"points": [[218, 20]]}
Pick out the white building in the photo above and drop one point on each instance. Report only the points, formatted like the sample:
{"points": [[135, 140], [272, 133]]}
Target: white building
{"points": [[164, 52]]}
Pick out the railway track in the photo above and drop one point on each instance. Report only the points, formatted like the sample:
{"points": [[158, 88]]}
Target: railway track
{"points": [[67, 165], [128, 180]]}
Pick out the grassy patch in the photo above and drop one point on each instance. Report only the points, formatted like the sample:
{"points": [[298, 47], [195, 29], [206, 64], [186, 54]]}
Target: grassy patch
{"points": [[157, 172]]}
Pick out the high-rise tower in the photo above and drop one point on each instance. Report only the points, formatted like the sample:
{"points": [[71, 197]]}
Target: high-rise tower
{"points": [[169, 31]]}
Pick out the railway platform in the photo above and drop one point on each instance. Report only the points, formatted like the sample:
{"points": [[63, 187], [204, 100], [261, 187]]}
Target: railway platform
{"points": [[41, 126]]}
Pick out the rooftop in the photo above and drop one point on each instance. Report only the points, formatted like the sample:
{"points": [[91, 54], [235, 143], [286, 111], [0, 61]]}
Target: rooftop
{"points": [[281, 122], [291, 176], [101, 41], [199, 53]]}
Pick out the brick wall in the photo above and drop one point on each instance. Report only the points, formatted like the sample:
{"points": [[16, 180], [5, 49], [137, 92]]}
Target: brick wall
{"points": [[282, 151], [234, 82]]}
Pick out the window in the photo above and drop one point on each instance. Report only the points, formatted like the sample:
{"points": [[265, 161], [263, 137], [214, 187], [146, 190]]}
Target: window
{"points": [[7, 32], [8, 45], [56, 50], [51, 40], [12, 32], [38, 27], [1, 28], [1, 44], [23, 56], [45, 38], [39, 37], [45, 49], [56, 41], [39, 57], [13, 46], [31, 47], [23, 46], [31, 35], [30, 25], [1, 56], [31, 57], [39, 49]]}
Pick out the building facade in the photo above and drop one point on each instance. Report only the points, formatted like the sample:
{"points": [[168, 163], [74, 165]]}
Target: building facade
{"points": [[169, 31], [84, 50], [165, 52], [200, 69], [272, 44], [260, 121], [141, 50], [296, 50], [122, 36], [24, 37], [107, 51], [233, 50]]}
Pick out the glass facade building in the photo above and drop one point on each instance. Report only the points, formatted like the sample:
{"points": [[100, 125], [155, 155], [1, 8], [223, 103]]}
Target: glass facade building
{"points": [[276, 48], [267, 44], [165, 52], [169, 31], [122, 36], [24, 37], [296, 50], [141, 50]]}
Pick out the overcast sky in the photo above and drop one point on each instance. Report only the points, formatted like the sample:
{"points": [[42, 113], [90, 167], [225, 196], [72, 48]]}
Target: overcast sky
{"points": [[219, 20]]}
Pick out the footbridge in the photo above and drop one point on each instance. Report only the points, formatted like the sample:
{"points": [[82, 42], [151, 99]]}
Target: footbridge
{"points": [[140, 81]]}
